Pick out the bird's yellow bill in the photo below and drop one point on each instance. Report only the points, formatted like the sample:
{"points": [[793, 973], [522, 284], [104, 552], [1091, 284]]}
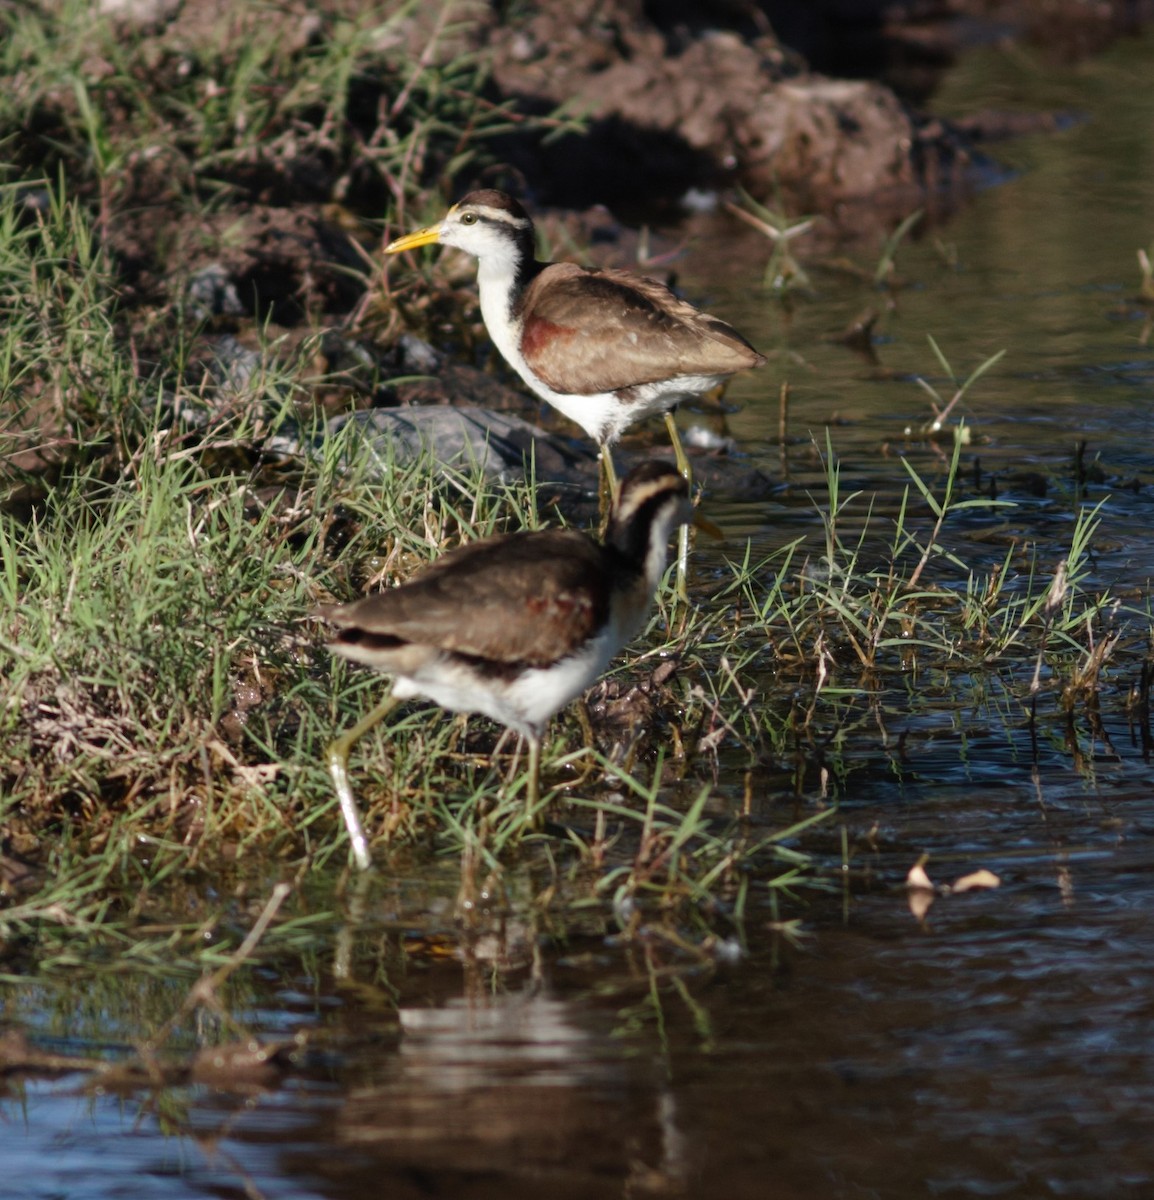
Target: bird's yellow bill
{"points": [[422, 237]]}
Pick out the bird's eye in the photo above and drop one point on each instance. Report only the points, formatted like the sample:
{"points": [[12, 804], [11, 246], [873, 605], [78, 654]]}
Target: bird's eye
{"points": [[468, 218]]}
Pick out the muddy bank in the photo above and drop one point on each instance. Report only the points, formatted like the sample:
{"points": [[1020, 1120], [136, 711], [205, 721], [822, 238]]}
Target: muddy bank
{"points": [[814, 106]]}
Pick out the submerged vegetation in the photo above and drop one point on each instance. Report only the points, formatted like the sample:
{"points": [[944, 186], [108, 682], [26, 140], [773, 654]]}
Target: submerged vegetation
{"points": [[165, 534]]}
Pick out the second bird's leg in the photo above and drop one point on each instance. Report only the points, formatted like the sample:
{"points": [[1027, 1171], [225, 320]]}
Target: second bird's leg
{"points": [[515, 757], [683, 533], [337, 757], [495, 755], [533, 790], [607, 487]]}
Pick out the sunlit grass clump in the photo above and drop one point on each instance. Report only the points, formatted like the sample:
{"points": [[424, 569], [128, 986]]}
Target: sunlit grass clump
{"points": [[167, 698]]}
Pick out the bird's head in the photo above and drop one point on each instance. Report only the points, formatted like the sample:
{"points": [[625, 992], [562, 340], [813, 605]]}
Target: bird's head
{"points": [[485, 224]]}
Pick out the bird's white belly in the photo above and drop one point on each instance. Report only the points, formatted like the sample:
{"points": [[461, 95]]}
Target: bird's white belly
{"points": [[606, 415], [600, 415], [539, 693], [525, 701]]}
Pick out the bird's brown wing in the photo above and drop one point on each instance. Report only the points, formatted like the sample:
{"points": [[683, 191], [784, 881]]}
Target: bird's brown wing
{"points": [[600, 331], [529, 598]]}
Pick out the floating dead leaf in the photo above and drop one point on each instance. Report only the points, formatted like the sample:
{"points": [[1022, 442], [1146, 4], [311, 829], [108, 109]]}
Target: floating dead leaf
{"points": [[918, 879], [920, 889], [920, 900], [976, 879]]}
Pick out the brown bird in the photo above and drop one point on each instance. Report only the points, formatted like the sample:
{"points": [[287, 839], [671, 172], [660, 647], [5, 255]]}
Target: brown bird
{"points": [[515, 626], [605, 347]]}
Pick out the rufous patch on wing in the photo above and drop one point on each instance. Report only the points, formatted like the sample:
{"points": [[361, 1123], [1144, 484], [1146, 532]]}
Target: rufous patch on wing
{"points": [[560, 606], [540, 336]]}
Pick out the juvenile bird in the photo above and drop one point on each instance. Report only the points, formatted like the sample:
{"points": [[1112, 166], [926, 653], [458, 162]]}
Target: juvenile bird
{"points": [[513, 626]]}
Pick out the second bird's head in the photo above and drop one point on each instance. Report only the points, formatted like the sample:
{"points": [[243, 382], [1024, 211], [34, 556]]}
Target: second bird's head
{"points": [[652, 503]]}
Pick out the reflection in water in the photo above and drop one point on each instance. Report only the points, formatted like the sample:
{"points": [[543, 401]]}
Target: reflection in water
{"points": [[1000, 1047], [510, 1088], [502, 1091]]}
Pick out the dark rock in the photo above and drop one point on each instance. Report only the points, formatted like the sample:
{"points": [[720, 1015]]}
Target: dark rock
{"points": [[463, 439], [212, 293]]}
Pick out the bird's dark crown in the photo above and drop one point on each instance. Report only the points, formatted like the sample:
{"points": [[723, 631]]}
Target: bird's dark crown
{"points": [[491, 198]]}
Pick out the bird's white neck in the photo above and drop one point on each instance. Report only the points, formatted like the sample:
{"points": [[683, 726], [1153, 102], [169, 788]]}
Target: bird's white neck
{"points": [[497, 286], [651, 556], [657, 552]]}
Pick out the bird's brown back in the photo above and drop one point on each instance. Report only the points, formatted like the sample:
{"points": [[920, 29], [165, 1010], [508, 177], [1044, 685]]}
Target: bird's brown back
{"points": [[590, 331], [529, 598]]}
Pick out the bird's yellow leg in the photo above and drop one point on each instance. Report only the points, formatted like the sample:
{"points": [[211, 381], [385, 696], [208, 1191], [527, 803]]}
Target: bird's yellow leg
{"points": [[608, 487], [337, 756], [610, 473], [683, 533], [506, 734], [679, 454], [533, 790]]}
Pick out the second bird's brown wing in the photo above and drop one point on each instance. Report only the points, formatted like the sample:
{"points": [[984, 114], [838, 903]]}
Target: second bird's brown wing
{"points": [[528, 598], [587, 332]]}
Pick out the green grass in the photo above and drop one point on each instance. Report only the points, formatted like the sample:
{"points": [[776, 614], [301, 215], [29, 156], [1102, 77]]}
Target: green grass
{"points": [[165, 697], [231, 105]]}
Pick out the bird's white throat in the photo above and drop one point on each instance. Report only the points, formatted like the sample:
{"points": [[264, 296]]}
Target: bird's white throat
{"points": [[496, 283]]}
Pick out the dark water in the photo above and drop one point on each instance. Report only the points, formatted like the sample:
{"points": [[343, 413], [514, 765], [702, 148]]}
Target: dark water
{"points": [[1002, 1045]]}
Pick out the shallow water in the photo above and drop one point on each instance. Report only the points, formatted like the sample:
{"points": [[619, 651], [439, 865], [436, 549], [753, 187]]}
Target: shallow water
{"points": [[1000, 1045], [1042, 266]]}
